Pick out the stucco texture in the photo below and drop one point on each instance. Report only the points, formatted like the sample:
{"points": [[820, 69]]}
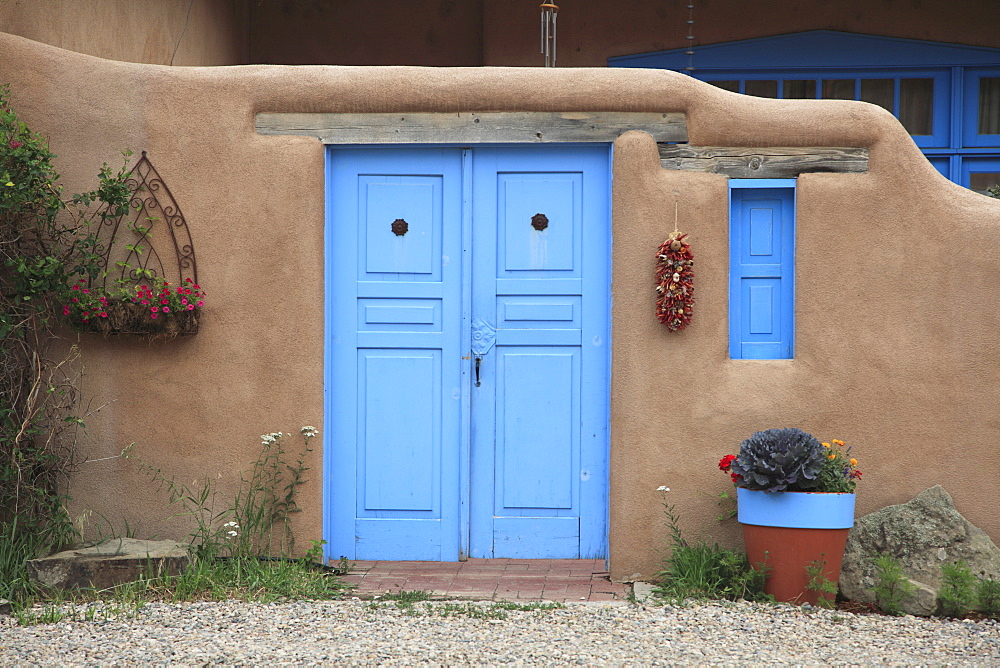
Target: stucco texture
{"points": [[895, 310], [165, 32]]}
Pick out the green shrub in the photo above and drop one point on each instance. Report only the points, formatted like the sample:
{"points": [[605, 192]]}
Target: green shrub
{"points": [[892, 586], [988, 595], [957, 592]]}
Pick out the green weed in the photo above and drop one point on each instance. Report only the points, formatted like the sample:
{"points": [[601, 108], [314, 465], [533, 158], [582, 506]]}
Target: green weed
{"points": [[957, 592], [821, 584], [703, 571]]}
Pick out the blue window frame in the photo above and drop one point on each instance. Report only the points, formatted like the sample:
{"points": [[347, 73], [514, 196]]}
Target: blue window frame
{"points": [[982, 107], [761, 268], [946, 95]]}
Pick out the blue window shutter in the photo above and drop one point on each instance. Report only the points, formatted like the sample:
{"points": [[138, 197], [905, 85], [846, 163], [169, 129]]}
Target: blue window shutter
{"points": [[762, 270]]}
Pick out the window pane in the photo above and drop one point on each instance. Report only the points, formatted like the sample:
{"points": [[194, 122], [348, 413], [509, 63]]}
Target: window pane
{"points": [[916, 105], [838, 89], [980, 181], [989, 105], [766, 88], [802, 89], [879, 91], [733, 86]]}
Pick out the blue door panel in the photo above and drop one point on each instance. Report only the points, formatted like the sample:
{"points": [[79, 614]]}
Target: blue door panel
{"points": [[523, 196], [393, 363], [400, 539], [762, 300], [539, 485], [414, 200], [762, 241], [537, 431], [424, 245], [537, 537], [401, 439]]}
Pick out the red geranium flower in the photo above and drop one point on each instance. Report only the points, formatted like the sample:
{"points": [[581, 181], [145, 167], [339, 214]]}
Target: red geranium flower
{"points": [[726, 462]]}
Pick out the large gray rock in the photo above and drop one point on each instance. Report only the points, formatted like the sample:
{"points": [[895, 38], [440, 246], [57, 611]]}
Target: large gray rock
{"points": [[921, 535], [109, 563]]}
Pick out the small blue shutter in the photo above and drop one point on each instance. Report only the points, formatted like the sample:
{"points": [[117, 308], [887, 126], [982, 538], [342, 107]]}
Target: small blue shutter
{"points": [[762, 269]]}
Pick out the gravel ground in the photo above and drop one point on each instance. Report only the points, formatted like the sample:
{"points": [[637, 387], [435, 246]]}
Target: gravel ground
{"points": [[365, 633]]}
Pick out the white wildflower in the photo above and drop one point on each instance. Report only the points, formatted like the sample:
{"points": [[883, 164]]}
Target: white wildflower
{"points": [[231, 524], [662, 488], [309, 432], [232, 534]]}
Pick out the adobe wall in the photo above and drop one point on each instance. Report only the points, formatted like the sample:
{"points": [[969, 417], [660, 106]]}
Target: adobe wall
{"points": [[503, 33], [201, 32], [896, 296]]}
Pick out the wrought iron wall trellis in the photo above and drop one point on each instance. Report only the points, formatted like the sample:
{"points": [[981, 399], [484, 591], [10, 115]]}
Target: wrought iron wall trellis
{"points": [[127, 244]]}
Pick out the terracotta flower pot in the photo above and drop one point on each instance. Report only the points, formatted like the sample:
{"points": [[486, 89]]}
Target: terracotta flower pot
{"points": [[788, 531]]}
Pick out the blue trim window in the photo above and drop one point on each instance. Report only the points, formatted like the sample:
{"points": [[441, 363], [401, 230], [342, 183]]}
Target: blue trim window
{"points": [[761, 268], [947, 96], [911, 97]]}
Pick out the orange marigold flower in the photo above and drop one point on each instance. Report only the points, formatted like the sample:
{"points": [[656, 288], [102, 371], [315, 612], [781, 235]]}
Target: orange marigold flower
{"points": [[826, 445], [838, 442], [854, 462], [831, 456]]}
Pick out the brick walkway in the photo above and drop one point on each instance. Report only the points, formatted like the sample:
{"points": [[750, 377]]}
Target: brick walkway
{"points": [[490, 579]]}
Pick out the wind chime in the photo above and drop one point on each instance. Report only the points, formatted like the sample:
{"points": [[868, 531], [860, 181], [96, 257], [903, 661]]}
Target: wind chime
{"points": [[675, 281], [550, 11]]}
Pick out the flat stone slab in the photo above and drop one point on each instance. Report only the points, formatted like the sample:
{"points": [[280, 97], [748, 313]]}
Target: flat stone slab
{"points": [[109, 563]]}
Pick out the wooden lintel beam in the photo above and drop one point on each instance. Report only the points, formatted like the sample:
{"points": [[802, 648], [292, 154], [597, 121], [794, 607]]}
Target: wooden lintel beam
{"points": [[473, 127], [764, 163]]}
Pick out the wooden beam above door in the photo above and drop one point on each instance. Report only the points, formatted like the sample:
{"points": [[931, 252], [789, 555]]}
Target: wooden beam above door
{"points": [[764, 163], [531, 127]]}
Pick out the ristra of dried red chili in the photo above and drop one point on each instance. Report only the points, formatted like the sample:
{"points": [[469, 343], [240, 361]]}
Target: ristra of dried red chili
{"points": [[675, 283]]}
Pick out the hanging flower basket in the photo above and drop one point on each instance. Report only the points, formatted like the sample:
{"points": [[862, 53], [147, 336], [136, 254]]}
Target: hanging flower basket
{"points": [[128, 317], [156, 309]]}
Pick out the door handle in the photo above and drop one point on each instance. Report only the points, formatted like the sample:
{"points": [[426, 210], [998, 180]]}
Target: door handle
{"points": [[484, 335]]}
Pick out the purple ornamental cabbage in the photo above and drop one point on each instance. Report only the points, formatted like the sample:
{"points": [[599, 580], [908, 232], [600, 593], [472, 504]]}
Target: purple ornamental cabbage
{"points": [[779, 460]]}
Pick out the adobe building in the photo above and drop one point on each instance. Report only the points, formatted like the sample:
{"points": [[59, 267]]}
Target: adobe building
{"points": [[448, 269]]}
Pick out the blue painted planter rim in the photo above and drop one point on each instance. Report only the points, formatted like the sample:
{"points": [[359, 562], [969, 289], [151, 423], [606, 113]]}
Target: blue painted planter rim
{"points": [[798, 510]]}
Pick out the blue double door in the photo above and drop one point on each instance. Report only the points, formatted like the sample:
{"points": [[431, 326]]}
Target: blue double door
{"points": [[467, 353]]}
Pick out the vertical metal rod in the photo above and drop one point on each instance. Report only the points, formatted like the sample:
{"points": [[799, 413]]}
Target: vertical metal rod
{"points": [[555, 15], [541, 32], [549, 13], [546, 15]]}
